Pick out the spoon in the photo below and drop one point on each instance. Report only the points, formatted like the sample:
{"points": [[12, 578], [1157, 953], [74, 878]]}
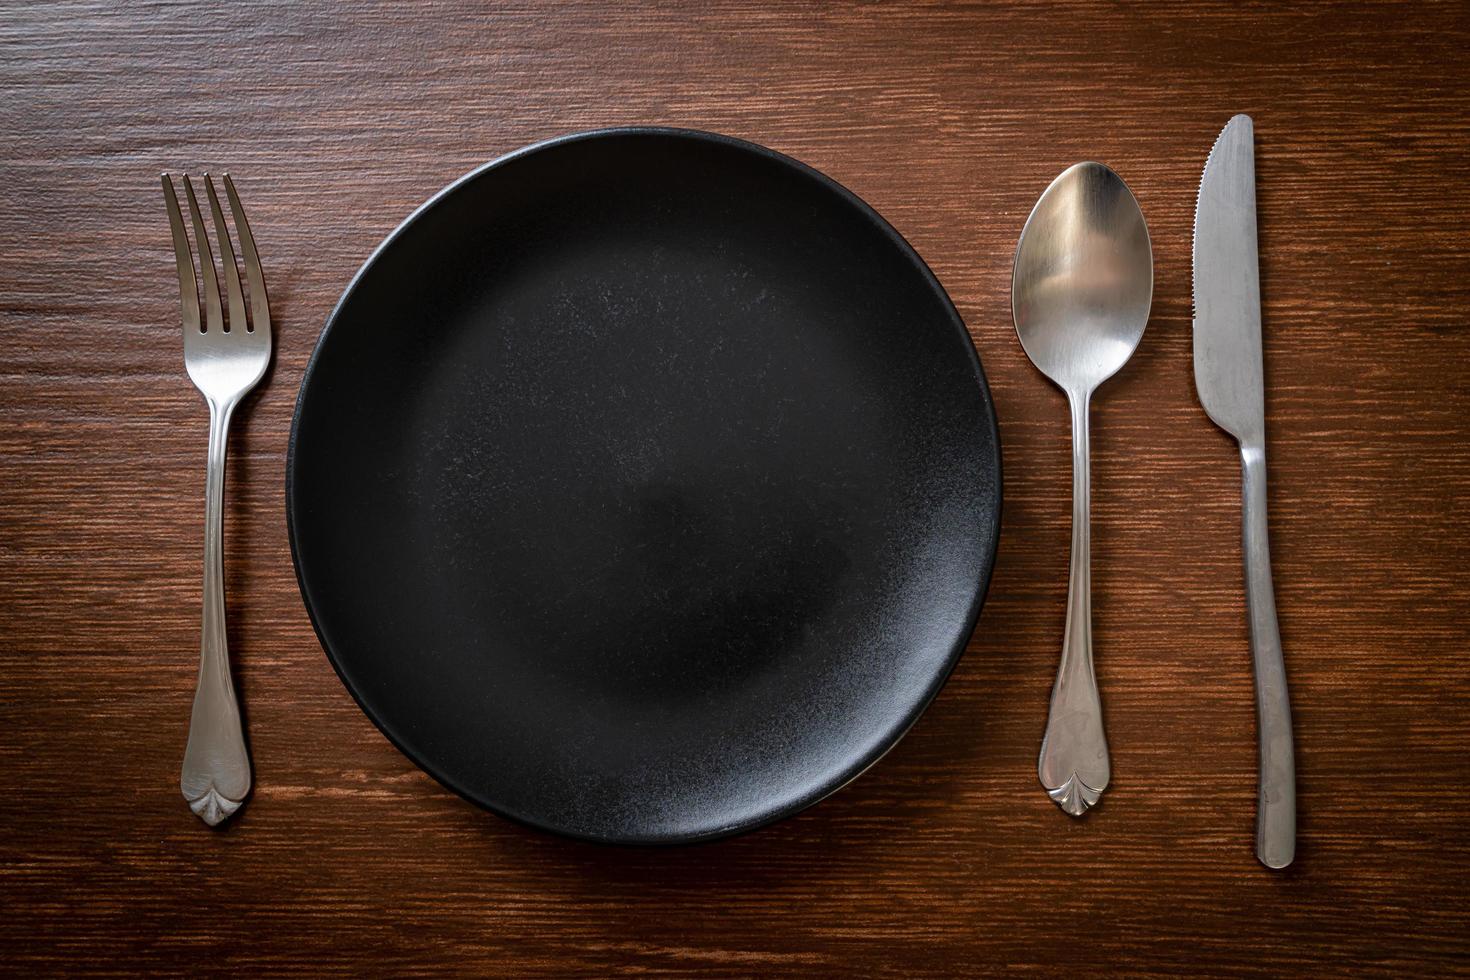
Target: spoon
{"points": [[1080, 295]]}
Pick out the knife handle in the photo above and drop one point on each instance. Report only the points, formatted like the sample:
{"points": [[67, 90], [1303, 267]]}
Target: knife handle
{"points": [[1276, 789], [1073, 766]]}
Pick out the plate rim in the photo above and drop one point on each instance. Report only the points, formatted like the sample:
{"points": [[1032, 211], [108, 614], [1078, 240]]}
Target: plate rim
{"points": [[824, 788]]}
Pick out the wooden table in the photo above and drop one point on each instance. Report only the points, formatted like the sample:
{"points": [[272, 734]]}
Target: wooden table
{"points": [[337, 119]]}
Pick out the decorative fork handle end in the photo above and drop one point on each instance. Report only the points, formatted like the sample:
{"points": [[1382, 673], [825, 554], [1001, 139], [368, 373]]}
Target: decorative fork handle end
{"points": [[212, 808], [215, 778]]}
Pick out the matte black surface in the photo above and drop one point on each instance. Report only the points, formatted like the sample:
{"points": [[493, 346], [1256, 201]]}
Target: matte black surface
{"points": [[644, 486]]}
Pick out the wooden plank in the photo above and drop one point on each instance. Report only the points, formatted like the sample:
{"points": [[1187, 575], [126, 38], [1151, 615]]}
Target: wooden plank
{"points": [[946, 858]]}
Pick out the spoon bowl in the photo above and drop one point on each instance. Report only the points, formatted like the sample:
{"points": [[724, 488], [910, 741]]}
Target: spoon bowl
{"points": [[1083, 280]]}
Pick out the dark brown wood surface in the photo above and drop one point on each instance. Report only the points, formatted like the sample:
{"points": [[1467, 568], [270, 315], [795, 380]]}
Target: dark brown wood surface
{"points": [[946, 858]]}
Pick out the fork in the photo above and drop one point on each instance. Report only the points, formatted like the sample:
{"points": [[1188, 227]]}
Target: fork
{"points": [[225, 359]]}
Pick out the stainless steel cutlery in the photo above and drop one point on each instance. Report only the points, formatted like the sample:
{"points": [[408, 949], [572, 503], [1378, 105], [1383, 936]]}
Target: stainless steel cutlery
{"points": [[1228, 374], [225, 358], [1081, 290]]}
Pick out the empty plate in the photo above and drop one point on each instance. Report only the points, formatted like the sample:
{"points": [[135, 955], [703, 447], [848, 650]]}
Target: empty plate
{"points": [[644, 486]]}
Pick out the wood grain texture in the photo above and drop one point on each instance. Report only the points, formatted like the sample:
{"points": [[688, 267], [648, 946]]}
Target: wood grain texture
{"points": [[946, 858]]}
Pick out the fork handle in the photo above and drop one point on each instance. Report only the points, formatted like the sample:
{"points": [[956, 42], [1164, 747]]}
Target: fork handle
{"points": [[216, 774], [1276, 774]]}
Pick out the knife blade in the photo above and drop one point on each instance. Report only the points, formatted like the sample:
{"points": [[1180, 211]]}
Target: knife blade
{"points": [[1229, 376]]}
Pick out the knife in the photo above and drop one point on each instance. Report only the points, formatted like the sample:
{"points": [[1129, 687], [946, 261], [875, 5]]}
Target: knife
{"points": [[1228, 376]]}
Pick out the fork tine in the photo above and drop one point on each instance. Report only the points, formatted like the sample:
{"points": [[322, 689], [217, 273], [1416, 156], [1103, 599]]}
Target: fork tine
{"points": [[227, 256], [260, 310], [213, 316], [188, 288]]}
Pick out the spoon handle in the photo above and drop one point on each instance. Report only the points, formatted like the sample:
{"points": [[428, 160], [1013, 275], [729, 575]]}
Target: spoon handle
{"points": [[1276, 776], [1074, 753]]}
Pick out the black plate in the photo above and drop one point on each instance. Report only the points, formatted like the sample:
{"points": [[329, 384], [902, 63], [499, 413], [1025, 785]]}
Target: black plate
{"points": [[644, 486]]}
